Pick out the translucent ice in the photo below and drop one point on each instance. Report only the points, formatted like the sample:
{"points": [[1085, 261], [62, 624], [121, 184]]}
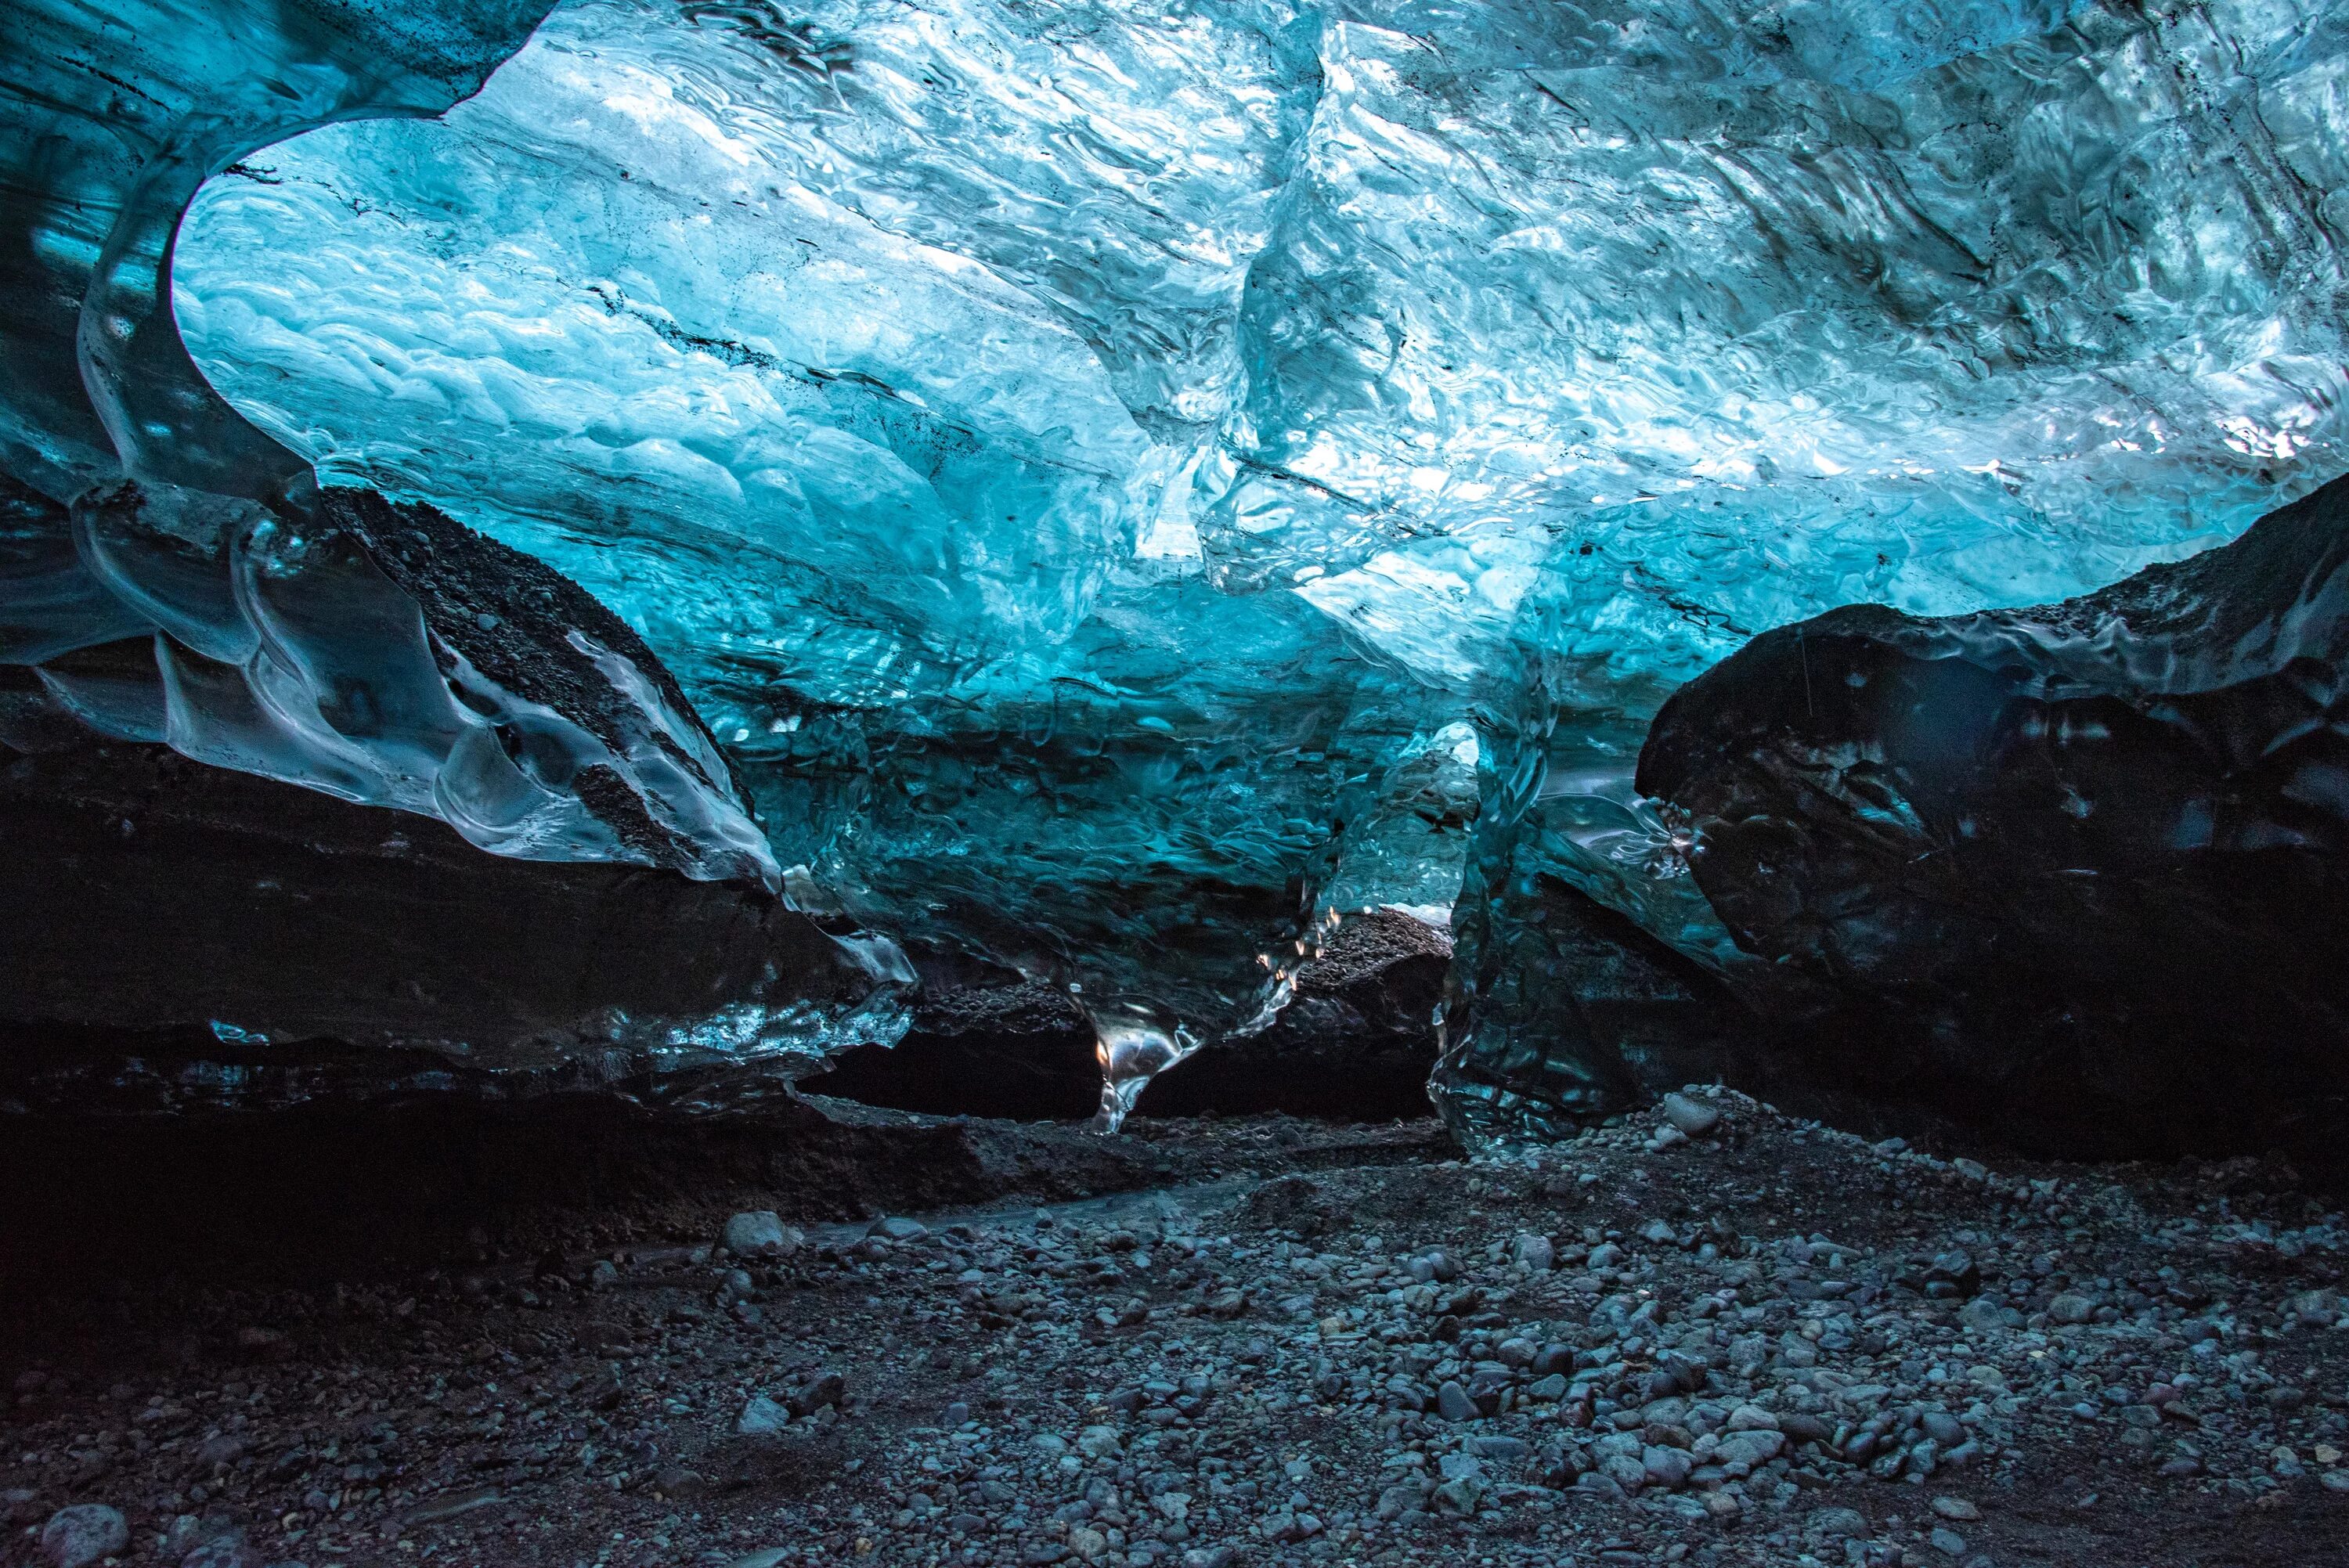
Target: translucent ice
{"points": [[175, 571], [1110, 473]]}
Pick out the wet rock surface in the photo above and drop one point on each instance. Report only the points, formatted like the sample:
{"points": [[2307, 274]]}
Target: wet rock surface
{"points": [[1761, 1344], [2075, 872]]}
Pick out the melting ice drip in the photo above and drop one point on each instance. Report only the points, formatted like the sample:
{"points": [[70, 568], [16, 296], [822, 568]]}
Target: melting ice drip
{"points": [[1131, 1051]]}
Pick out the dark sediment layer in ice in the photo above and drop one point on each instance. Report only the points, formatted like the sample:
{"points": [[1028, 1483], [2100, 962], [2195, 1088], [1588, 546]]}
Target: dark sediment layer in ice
{"points": [[2074, 872], [1356, 1042], [190, 936]]}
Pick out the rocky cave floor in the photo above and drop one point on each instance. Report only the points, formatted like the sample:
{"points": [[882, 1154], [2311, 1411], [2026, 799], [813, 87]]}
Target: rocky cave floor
{"points": [[1247, 1342]]}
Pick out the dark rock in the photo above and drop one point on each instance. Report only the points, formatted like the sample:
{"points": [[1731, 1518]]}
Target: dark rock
{"points": [[1837, 1523], [1955, 1269], [85, 1533], [1356, 1042], [227, 1551], [824, 1388], [1294, 1202], [216, 1454], [2074, 871], [1803, 1427], [352, 950], [1621, 1018], [675, 1480], [1940, 1426], [983, 1042]]}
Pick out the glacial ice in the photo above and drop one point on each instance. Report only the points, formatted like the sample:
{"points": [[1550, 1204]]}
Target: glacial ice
{"points": [[2127, 810], [1126, 483], [140, 509]]}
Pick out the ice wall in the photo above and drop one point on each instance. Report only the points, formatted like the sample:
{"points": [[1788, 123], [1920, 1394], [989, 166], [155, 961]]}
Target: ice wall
{"points": [[1078, 455], [174, 571]]}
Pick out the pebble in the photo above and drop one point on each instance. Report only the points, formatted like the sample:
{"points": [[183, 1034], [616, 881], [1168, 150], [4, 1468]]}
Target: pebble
{"points": [[1692, 1117], [83, 1533], [1837, 1523], [822, 1391], [1486, 1361], [229, 1551], [2071, 1309], [761, 1417], [760, 1234]]}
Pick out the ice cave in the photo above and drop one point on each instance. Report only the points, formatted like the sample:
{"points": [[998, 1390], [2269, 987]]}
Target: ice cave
{"points": [[608, 597], [1112, 494]]}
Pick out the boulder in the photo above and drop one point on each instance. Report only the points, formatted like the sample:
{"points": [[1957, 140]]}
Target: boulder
{"points": [[761, 1234], [2075, 873], [83, 1533]]}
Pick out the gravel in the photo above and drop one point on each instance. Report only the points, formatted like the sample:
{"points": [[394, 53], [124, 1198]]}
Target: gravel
{"points": [[1763, 1342]]}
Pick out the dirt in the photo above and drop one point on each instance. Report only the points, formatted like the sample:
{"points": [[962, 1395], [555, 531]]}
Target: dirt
{"points": [[504, 1338]]}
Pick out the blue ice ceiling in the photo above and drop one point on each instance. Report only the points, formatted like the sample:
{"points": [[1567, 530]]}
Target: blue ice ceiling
{"points": [[1112, 475]]}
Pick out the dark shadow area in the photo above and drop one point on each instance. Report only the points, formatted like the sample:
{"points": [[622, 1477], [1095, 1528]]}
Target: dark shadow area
{"points": [[988, 1044], [352, 1191], [155, 894], [1356, 1043]]}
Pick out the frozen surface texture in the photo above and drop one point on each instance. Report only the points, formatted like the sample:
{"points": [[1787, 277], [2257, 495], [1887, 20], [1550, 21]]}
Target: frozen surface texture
{"points": [[2128, 810], [177, 570], [1127, 482], [171, 574]]}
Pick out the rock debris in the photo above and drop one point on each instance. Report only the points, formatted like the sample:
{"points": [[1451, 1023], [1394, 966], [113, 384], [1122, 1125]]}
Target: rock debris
{"points": [[1753, 1341]]}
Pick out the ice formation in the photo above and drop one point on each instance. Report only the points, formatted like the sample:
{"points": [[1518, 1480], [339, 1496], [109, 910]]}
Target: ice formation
{"points": [[1126, 484], [2130, 810]]}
